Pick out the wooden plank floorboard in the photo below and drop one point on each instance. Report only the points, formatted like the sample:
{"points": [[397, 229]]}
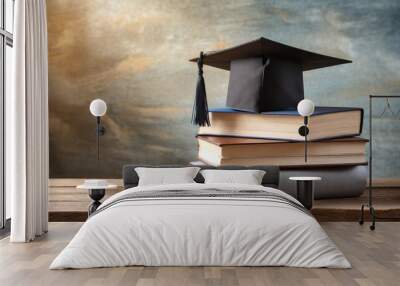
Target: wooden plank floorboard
{"points": [[374, 255]]}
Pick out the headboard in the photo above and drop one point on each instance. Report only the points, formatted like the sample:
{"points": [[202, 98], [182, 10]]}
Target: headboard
{"points": [[271, 178]]}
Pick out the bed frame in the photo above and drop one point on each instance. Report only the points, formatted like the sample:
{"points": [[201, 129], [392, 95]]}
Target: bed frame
{"points": [[271, 177]]}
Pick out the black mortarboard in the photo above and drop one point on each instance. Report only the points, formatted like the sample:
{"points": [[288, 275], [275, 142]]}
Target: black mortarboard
{"points": [[264, 76]]}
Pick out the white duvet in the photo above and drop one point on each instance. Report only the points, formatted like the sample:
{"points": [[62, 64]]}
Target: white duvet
{"points": [[200, 231]]}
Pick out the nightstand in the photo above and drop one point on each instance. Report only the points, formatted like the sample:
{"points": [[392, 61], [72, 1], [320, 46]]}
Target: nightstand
{"points": [[305, 190]]}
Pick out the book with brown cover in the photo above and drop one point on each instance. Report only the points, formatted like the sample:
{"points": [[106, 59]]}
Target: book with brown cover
{"points": [[219, 151]]}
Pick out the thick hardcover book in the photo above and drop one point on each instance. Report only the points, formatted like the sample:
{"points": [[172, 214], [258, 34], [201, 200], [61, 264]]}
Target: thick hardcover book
{"points": [[286, 161], [220, 151], [325, 123]]}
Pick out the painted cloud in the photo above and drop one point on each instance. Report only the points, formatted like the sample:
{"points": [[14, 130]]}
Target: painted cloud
{"points": [[134, 54]]}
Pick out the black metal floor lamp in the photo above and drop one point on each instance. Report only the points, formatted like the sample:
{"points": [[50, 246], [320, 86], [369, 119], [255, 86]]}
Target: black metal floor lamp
{"points": [[369, 205]]}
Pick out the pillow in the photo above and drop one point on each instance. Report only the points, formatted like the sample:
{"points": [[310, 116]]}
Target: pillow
{"points": [[165, 176], [248, 177]]}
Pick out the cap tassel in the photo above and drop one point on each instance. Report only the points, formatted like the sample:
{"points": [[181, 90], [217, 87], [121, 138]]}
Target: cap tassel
{"points": [[200, 107]]}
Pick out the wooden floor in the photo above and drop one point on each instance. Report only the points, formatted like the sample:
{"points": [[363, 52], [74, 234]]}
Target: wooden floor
{"points": [[66, 203], [375, 257]]}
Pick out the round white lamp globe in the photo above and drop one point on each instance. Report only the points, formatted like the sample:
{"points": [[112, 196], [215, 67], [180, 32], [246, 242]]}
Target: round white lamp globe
{"points": [[305, 107], [98, 107]]}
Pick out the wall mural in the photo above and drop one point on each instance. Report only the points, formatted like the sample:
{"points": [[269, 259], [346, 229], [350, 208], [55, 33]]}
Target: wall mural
{"points": [[134, 55]]}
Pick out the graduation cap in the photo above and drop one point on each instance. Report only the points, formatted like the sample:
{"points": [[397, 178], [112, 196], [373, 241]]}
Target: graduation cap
{"points": [[264, 76]]}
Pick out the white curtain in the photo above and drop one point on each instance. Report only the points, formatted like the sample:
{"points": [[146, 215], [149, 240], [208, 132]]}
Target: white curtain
{"points": [[27, 123]]}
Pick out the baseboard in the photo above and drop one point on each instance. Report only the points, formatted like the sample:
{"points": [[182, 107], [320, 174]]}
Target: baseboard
{"points": [[354, 214], [320, 214], [68, 216]]}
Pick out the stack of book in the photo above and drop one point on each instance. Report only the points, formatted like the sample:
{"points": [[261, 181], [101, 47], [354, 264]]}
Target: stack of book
{"points": [[272, 138]]}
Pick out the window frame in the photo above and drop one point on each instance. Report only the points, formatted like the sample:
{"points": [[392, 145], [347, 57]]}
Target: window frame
{"points": [[6, 39]]}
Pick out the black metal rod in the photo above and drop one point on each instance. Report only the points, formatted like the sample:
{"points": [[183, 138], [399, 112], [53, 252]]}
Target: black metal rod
{"points": [[305, 148], [384, 96], [370, 153], [98, 137], [305, 139]]}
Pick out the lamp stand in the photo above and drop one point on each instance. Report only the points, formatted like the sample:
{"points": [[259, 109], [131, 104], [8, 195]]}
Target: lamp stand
{"points": [[303, 131], [100, 131]]}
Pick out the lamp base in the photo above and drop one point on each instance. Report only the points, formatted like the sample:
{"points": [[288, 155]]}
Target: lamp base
{"points": [[303, 130], [101, 130], [96, 195]]}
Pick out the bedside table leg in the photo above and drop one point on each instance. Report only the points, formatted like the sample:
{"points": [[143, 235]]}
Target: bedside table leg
{"points": [[305, 193], [93, 207], [96, 195]]}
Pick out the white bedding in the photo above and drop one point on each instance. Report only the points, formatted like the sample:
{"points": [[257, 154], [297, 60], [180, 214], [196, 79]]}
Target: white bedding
{"points": [[200, 231]]}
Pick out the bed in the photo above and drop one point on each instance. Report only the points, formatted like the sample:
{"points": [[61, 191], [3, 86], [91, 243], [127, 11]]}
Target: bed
{"points": [[198, 224]]}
